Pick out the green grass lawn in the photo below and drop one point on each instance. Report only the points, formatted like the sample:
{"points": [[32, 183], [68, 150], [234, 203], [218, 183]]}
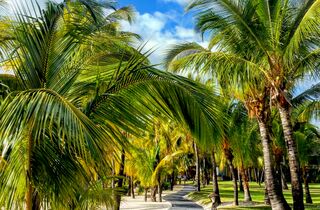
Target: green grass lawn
{"points": [[257, 194]]}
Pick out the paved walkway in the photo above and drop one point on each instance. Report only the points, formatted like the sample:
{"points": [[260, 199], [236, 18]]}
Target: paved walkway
{"points": [[178, 201], [171, 200], [139, 204]]}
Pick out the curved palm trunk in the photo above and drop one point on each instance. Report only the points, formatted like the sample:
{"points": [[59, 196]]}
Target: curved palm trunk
{"points": [[159, 190], [274, 190], [196, 152], [229, 157], [235, 184], [297, 192], [306, 178], [216, 194], [246, 189]]}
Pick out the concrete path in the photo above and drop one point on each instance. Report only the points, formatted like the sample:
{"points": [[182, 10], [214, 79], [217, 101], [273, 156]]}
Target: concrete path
{"points": [[178, 201], [173, 200], [138, 204]]}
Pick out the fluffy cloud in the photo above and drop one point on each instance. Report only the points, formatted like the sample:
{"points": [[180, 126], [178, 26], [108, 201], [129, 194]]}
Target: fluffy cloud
{"points": [[181, 2], [160, 31]]}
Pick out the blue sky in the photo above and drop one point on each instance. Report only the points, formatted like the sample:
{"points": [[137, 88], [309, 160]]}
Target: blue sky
{"points": [[161, 23]]}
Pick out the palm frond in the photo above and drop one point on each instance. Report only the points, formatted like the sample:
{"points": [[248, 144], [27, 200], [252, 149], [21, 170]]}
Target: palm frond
{"points": [[311, 94]]}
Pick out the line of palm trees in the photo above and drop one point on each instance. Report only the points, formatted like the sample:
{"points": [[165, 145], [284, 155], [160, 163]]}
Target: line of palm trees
{"points": [[261, 49], [85, 107]]}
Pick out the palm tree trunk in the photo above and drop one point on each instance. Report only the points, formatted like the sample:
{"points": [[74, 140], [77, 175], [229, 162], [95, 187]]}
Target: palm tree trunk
{"points": [[266, 196], [145, 194], [203, 172], [274, 191], [235, 185], [172, 180], [117, 196], [196, 152], [246, 189], [256, 175], [153, 194], [159, 190], [216, 194], [129, 186], [283, 179], [240, 180], [296, 185], [229, 156], [306, 184], [249, 171], [132, 187]]}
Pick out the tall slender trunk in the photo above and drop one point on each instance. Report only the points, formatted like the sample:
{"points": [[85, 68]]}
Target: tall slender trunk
{"points": [[145, 194], [117, 196], [196, 152], [229, 156], [203, 174], [216, 193], [240, 180], [235, 185], [274, 191], [172, 179], [283, 179], [296, 185], [266, 196], [153, 194], [159, 190], [306, 179], [256, 175], [132, 187], [249, 171], [129, 186], [246, 189], [278, 156]]}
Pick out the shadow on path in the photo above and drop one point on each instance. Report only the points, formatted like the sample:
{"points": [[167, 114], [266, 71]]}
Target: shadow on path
{"points": [[179, 202]]}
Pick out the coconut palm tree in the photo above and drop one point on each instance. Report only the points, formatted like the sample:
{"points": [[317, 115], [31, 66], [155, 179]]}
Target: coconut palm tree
{"points": [[285, 35], [253, 93], [244, 145], [306, 108], [60, 78], [40, 113]]}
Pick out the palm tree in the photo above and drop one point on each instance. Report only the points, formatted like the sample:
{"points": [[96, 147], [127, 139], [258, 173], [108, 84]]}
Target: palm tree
{"points": [[192, 56], [244, 145], [51, 60], [284, 34], [306, 106], [41, 113], [153, 156]]}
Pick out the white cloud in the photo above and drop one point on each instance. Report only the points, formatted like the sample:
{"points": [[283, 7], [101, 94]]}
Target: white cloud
{"points": [[181, 2], [159, 36]]}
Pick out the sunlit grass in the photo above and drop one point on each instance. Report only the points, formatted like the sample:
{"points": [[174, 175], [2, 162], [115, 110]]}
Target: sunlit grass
{"points": [[257, 194]]}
